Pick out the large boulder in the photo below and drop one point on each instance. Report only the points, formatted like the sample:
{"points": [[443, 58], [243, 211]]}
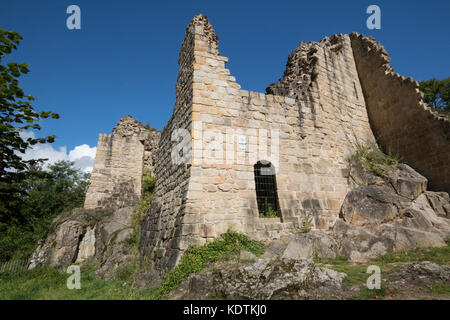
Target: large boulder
{"points": [[311, 245], [389, 210], [439, 202], [60, 249], [84, 236], [371, 205], [406, 181], [423, 273], [264, 279]]}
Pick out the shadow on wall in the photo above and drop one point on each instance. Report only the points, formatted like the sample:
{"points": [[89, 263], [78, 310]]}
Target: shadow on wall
{"points": [[400, 119]]}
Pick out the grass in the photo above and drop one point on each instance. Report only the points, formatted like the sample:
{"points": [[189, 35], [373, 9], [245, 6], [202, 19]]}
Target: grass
{"points": [[366, 294], [49, 283], [440, 289], [375, 159], [357, 272]]}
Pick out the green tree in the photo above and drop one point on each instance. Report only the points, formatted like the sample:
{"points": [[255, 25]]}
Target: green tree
{"points": [[61, 187], [47, 193], [437, 93], [16, 115]]}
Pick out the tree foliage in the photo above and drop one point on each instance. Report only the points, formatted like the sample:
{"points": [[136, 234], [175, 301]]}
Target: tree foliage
{"points": [[437, 93], [47, 193], [16, 112], [16, 115]]}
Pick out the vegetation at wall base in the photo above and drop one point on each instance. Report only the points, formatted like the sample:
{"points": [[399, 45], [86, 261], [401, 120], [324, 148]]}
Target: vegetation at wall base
{"points": [[49, 283], [195, 259]]}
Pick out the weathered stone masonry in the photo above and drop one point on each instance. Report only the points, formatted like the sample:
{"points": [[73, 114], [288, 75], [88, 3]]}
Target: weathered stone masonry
{"points": [[116, 180], [400, 118], [315, 116], [195, 203]]}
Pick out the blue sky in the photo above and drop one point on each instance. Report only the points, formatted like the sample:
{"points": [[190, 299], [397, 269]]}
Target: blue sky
{"points": [[124, 59]]}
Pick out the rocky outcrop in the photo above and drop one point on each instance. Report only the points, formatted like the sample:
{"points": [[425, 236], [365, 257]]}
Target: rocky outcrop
{"points": [[87, 236], [423, 273], [387, 210], [264, 279]]}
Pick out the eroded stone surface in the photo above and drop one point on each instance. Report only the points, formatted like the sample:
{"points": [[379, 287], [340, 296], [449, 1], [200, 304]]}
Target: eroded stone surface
{"points": [[265, 279], [419, 273], [84, 236]]}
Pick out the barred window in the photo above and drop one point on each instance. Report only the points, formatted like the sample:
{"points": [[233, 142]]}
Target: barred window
{"points": [[266, 189]]}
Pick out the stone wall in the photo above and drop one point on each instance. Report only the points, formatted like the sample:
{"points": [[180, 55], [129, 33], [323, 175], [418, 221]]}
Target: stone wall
{"points": [[307, 136], [161, 237], [401, 120], [116, 180]]}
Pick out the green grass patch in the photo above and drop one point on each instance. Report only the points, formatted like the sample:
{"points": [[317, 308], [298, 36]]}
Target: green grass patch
{"points": [[50, 284], [367, 294], [440, 288], [195, 259], [357, 272], [375, 159], [436, 255]]}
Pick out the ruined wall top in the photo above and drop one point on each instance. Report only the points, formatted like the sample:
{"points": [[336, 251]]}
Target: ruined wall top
{"points": [[201, 25], [302, 67], [379, 59], [128, 126], [402, 121]]}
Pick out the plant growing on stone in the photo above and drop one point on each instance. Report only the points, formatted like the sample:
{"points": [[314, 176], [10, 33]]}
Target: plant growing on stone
{"points": [[148, 187], [195, 259], [374, 158], [148, 183], [270, 211], [306, 225]]}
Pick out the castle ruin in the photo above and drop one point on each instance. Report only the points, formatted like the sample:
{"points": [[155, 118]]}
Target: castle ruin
{"points": [[334, 96]]}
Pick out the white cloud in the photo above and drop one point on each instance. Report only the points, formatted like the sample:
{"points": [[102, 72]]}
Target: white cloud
{"points": [[83, 155]]}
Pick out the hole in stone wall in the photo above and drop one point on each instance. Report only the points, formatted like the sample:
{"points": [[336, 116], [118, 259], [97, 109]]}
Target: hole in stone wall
{"points": [[356, 91], [266, 189]]}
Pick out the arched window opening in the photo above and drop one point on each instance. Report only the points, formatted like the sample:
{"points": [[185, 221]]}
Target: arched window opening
{"points": [[266, 190]]}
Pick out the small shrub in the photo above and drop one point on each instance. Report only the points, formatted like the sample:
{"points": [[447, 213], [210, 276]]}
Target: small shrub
{"points": [[306, 225], [148, 182], [270, 211]]}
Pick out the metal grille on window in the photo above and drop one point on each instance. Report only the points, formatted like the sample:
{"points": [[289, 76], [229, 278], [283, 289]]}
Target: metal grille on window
{"points": [[266, 189]]}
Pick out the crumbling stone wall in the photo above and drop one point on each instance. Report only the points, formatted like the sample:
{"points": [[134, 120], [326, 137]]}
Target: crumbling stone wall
{"points": [[314, 133], [161, 236], [116, 180], [401, 120]]}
